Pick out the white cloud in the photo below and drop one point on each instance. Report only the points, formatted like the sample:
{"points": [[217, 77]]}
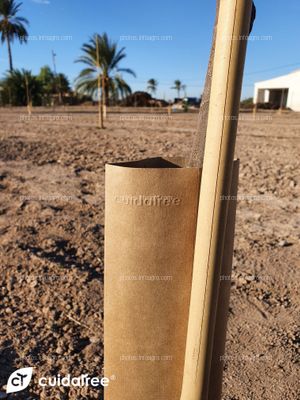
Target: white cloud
{"points": [[46, 2]]}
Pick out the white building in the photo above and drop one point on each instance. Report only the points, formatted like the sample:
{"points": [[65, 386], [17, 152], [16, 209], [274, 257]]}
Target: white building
{"points": [[283, 91]]}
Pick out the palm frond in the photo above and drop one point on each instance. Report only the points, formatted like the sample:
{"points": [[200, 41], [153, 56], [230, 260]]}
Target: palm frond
{"points": [[127, 70], [12, 26]]}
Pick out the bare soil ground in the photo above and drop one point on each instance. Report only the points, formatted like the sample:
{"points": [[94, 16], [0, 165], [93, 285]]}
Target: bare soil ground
{"points": [[51, 224]]}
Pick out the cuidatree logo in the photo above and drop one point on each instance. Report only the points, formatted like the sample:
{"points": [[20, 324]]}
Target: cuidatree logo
{"points": [[20, 379], [148, 201]]}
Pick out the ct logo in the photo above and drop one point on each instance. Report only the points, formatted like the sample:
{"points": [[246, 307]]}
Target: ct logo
{"points": [[19, 380]]}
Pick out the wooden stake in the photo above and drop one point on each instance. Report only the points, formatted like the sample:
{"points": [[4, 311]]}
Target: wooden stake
{"points": [[254, 110], [100, 109], [28, 96], [281, 102], [232, 31], [104, 96]]}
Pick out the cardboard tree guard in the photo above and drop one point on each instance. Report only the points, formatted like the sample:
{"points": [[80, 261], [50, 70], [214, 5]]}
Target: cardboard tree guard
{"points": [[150, 226]]}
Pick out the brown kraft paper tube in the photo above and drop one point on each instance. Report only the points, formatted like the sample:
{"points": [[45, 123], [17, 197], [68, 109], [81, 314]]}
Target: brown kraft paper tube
{"points": [[150, 223]]}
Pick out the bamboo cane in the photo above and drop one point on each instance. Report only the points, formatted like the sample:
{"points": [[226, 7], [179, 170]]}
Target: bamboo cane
{"points": [[28, 96], [233, 24], [100, 109], [104, 96]]}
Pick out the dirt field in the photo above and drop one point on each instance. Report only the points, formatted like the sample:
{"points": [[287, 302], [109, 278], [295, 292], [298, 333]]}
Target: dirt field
{"points": [[51, 224]]}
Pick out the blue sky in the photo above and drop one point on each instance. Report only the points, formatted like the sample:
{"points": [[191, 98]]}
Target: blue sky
{"points": [[273, 50]]}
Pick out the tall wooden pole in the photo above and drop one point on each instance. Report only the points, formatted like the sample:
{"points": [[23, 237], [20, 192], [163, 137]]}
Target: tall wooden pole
{"points": [[232, 30], [281, 101], [27, 95], [100, 109], [104, 95]]}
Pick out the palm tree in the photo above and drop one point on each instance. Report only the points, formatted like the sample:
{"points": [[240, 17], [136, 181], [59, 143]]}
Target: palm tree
{"points": [[102, 58], [152, 86], [12, 26], [63, 85], [21, 88], [46, 80], [178, 86], [52, 84]]}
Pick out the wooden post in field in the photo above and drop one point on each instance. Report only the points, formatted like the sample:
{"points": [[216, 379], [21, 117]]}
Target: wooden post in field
{"points": [[281, 101], [100, 109], [104, 96], [27, 96], [232, 32], [254, 110]]}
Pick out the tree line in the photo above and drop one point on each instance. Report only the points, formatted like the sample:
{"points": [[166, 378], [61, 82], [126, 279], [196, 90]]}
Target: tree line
{"points": [[101, 78]]}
